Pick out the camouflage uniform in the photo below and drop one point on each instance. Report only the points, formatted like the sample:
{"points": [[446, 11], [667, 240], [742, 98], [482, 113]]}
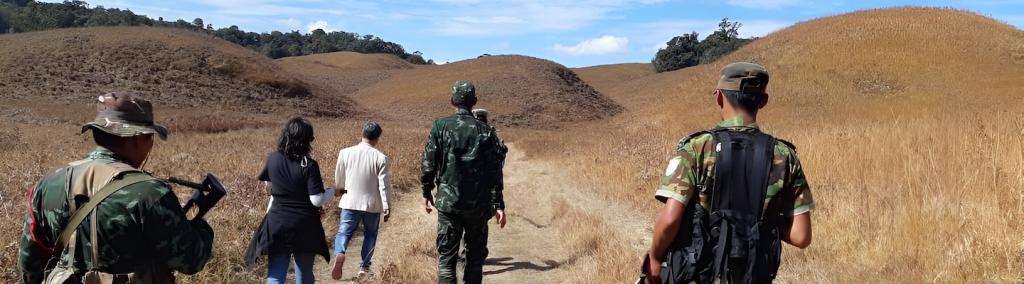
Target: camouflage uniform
{"points": [[694, 164], [140, 228], [463, 158]]}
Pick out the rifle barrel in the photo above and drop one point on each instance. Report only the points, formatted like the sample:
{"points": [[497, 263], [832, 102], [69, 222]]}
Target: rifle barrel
{"points": [[185, 183]]}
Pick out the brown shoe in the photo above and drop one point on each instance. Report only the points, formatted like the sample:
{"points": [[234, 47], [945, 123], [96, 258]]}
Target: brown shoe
{"points": [[339, 262]]}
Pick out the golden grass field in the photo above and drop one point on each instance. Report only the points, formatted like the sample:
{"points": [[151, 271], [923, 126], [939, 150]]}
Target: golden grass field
{"points": [[907, 122]]}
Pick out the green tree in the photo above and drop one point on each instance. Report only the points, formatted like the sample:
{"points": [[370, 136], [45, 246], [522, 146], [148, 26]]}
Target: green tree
{"points": [[687, 50], [4, 27], [722, 42], [680, 52]]}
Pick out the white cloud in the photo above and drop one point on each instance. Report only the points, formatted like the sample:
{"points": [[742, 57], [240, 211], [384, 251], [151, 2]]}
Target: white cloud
{"points": [[293, 24], [319, 24], [763, 4], [505, 17], [596, 46], [269, 7], [323, 25]]}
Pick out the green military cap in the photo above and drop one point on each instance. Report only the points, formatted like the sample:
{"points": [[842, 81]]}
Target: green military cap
{"points": [[744, 77], [125, 115], [463, 92]]}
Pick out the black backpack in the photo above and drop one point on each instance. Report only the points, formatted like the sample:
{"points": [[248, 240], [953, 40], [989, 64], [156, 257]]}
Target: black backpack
{"points": [[732, 240]]}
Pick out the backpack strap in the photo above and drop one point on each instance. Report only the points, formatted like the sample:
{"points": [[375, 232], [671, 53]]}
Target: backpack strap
{"points": [[787, 143], [94, 200], [691, 137]]}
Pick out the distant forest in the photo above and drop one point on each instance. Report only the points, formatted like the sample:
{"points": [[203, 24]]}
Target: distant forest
{"points": [[18, 16]]}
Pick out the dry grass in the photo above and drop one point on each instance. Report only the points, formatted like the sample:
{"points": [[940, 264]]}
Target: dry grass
{"points": [[527, 92], [588, 238], [917, 167], [179, 68], [917, 171]]}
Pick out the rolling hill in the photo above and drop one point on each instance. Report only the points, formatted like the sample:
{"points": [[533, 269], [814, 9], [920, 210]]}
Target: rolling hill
{"points": [[520, 91], [907, 123], [872, 58], [345, 72], [173, 67]]}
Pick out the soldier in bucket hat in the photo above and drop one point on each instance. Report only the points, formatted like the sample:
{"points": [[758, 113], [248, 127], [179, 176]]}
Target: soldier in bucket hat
{"points": [[104, 220]]}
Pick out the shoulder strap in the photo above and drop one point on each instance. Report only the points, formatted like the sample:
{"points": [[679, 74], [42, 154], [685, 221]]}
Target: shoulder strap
{"points": [[94, 200], [790, 144]]}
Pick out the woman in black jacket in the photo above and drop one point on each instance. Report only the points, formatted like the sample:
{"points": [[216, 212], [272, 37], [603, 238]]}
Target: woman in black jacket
{"points": [[292, 225]]}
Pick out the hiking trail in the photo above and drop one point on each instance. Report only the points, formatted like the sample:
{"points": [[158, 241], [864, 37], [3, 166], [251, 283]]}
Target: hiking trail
{"points": [[528, 249]]}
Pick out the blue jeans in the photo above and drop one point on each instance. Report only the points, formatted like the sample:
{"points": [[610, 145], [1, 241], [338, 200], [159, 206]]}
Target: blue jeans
{"points": [[277, 268], [350, 220]]}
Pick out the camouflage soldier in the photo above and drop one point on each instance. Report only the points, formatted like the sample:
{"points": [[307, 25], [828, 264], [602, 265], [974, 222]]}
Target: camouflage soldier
{"points": [[696, 183], [140, 228], [463, 159]]}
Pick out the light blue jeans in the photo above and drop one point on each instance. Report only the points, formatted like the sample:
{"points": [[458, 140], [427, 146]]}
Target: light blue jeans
{"points": [[350, 220], [277, 268]]}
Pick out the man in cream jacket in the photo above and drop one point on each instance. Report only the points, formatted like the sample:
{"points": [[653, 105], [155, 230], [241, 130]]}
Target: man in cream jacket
{"points": [[362, 172]]}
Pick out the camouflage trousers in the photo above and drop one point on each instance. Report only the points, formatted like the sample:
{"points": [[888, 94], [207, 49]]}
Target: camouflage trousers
{"points": [[450, 230]]}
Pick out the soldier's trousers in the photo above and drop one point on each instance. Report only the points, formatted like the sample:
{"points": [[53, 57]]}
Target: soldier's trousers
{"points": [[450, 229]]}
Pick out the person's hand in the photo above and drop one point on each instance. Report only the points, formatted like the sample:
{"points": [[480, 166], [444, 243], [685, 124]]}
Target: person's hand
{"points": [[339, 192], [500, 213], [653, 270], [387, 213], [428, 204]]}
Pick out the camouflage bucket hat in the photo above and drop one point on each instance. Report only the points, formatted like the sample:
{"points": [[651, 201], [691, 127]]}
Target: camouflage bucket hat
{"points": [[125, 115], [744, 77], [463, 92]]}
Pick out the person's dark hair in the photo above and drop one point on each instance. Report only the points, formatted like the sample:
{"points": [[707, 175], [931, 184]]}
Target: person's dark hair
{"points": [[107, 140], [743, 101], [372, 130], [295, 138]]}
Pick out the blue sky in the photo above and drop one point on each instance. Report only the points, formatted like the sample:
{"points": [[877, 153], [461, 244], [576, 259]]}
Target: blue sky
{"points": [[572, 32]]}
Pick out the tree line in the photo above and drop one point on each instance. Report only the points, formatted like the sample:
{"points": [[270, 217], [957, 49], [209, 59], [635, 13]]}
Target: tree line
{"points": [[18, 16], [688, 50]]}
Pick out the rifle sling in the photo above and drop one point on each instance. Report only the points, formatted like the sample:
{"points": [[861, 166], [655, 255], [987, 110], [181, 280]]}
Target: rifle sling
{"points": [[94, 200]]}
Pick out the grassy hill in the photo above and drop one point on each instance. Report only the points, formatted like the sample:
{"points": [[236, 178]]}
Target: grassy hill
{"points": [[907, 122], [173, 67], [519, 91], [345, 72]]}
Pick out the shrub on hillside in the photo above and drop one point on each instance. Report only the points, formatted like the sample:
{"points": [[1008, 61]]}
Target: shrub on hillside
{"points": [[687, 50]]}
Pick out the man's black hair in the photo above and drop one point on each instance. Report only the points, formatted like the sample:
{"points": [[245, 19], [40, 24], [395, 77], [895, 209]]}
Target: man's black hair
{"points": [[746, 102], [295, 138], [372, 130], [107, 140]]}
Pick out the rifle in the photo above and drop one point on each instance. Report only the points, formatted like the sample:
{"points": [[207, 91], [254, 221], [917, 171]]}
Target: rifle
{"points": [[205, 195]]}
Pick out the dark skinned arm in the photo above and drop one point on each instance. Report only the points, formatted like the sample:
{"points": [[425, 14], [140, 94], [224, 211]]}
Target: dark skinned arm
{"points": [[798, 233], [666, 226]]}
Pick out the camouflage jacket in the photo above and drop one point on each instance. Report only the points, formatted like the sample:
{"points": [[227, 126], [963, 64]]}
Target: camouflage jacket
{"points": [[463, 157], [141, 226], [694, 164]]}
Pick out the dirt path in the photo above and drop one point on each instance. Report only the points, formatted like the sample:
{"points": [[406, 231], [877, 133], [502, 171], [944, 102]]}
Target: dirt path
{"points": [[528, 249]]}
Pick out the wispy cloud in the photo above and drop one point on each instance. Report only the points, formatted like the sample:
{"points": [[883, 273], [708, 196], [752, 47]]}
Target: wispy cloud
{"points": [[293, 24], [507, 17], [319, 24], [596, 46], [762, 4]]}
